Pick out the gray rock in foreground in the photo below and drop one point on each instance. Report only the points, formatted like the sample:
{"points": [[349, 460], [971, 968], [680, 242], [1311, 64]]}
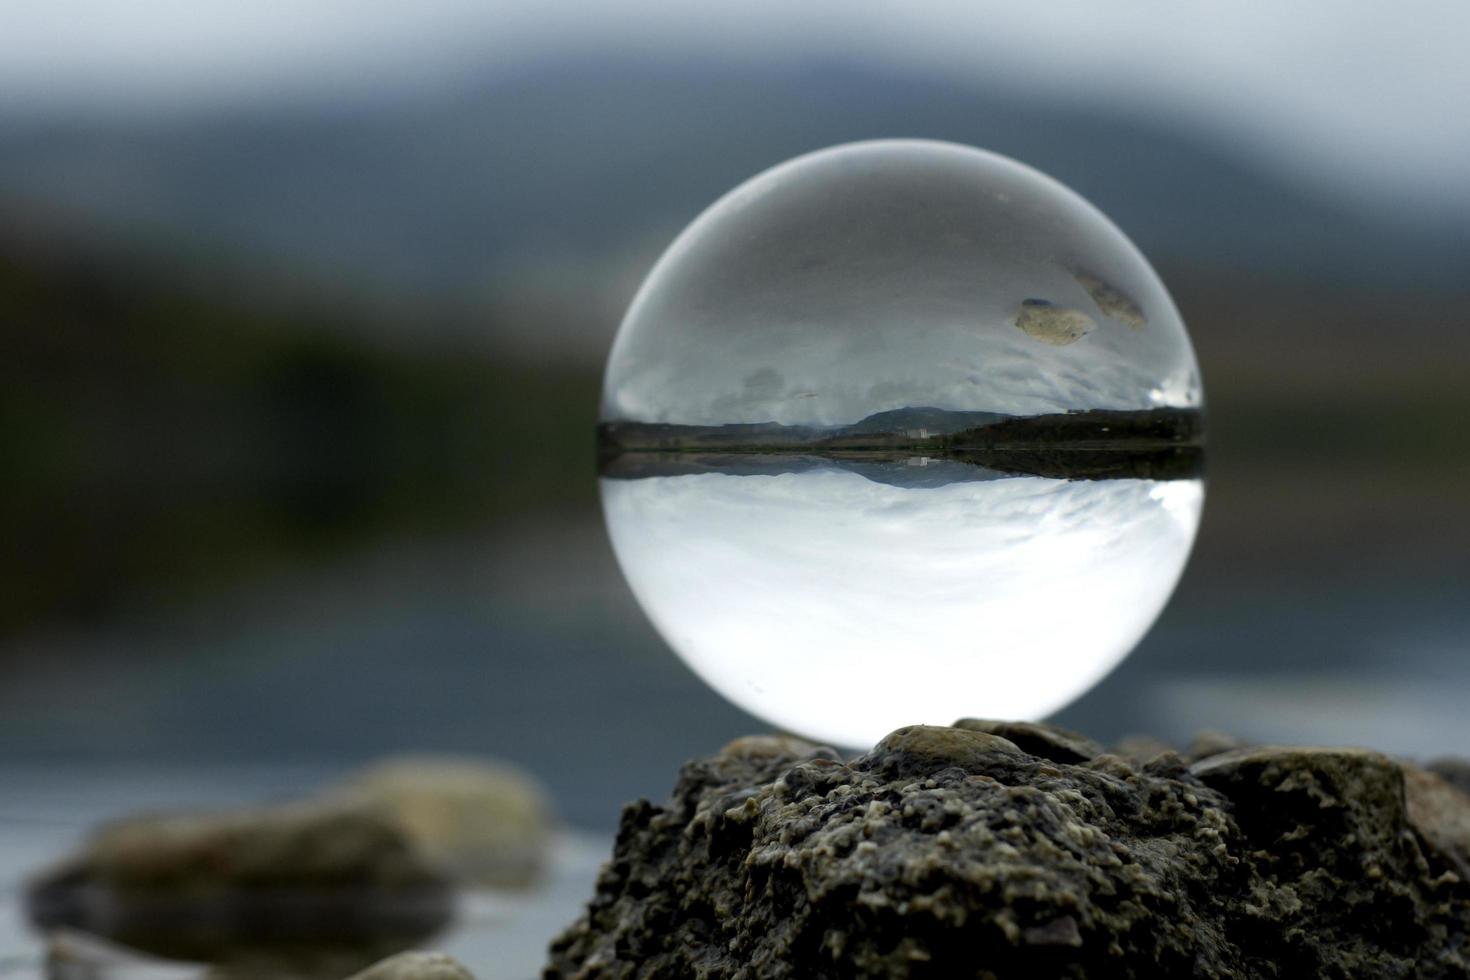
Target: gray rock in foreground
{"points": [[954, 852]]}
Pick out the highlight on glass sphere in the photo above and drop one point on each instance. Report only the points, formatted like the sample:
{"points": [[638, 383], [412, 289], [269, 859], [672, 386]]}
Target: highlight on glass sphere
{"points": [[899, 432]]}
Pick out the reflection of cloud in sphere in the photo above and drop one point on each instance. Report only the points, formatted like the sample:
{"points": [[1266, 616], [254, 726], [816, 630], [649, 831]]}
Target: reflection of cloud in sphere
{"points": [[842, 608], [897, 274]]}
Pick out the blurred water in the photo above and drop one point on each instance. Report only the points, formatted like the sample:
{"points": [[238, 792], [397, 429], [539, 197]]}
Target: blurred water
{"points": [[528, 646], [521, 646]]}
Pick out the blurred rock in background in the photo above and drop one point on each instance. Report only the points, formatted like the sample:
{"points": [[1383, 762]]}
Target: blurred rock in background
{"points": [[317, 887], [485, 824]]}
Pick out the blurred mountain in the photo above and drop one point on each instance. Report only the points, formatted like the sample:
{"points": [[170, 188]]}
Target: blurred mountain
{"points": [[556, 184], [937, 421]]}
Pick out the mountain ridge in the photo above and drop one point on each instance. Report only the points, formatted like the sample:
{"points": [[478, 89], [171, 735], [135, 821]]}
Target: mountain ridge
{"points": [[893, 430]]}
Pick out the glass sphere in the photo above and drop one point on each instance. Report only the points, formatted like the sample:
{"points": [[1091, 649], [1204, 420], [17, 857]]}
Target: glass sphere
{"points": [[898, 432]]}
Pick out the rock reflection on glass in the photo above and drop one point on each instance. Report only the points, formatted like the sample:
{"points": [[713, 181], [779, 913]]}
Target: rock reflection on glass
{"points": [[899, 432]]}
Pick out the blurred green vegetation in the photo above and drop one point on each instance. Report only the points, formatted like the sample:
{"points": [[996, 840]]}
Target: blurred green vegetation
{"points": [[158, 442], [164, 434]]}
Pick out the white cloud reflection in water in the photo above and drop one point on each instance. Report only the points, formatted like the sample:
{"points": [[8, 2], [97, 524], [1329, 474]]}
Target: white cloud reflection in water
{"points": [[842, 608]]}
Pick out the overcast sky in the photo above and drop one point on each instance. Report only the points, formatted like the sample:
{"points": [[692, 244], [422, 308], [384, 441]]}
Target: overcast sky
{"points": [[1362, 89]]}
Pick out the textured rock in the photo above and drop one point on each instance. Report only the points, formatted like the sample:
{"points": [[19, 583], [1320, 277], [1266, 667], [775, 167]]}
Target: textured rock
{"points": [[415, 965], [481, 822], [959, 852], [1047, 741], [207, 886]]}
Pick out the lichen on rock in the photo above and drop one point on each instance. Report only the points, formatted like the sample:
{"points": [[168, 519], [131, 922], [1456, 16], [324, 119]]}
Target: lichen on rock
{"points": [[961, 852]]}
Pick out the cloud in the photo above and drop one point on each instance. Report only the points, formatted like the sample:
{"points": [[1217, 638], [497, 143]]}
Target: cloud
{"points": [[842, 608], [1347, 90], [891, 275]]}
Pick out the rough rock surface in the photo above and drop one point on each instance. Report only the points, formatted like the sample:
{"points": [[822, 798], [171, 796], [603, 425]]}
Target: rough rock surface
{"points": [[957, 852], [1046, 741]]}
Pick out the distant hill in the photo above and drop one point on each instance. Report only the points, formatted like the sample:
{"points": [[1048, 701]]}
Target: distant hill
{"points": [[899, 425], [562, 180], [936, 421], [917, 430], [1094, 427], [896, 427]]}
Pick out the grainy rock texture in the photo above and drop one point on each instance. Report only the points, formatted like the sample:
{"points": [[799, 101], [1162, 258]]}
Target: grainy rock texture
{"points": [[1046, 741], [965, 852]]}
